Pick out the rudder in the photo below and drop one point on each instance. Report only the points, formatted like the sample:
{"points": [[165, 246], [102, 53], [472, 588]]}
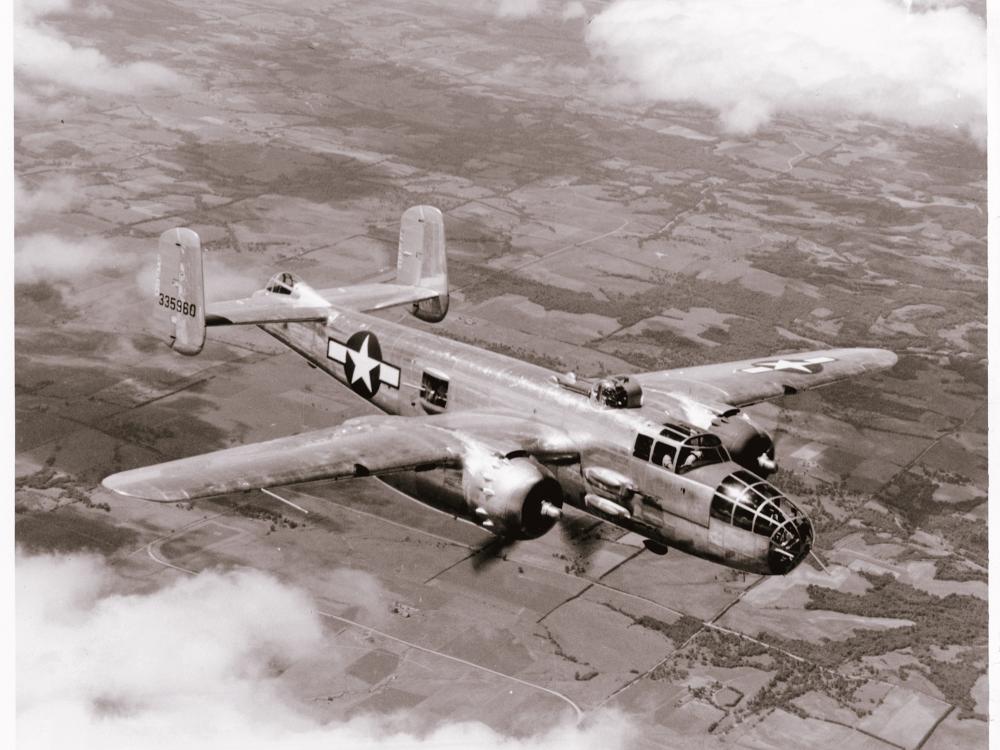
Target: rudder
{"points": [[421, 261], [179, 296]]}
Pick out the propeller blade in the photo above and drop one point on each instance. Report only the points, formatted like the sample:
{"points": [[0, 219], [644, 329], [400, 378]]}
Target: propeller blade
{"points": [[579, 532], [490, 553]]}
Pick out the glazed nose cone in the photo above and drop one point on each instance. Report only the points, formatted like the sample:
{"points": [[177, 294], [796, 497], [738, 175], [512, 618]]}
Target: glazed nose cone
{"points": [[789, 545]]}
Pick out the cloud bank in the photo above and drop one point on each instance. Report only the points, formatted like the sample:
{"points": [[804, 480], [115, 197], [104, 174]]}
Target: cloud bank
{"points": [[53, 196], [518, 8], [43, 56], [754, 59], [198, 663], [49, 257]]}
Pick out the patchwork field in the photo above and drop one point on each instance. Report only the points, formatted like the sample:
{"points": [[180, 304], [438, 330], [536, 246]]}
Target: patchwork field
{"points": [[584, 234]]}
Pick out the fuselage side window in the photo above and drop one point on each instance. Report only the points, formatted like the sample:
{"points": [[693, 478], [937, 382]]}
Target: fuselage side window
{"points": [[663, 455], [434, 392], [643, 444]]}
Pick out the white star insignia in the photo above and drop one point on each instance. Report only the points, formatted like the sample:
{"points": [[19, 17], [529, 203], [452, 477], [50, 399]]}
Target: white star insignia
{"points": [[363, 364], [797, 365]]}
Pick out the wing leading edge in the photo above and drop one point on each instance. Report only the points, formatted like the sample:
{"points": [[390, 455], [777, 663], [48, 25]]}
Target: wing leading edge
{"points": [[750, 381]]}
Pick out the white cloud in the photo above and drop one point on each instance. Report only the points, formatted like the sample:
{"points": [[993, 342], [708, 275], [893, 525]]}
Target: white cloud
{"points": [[222, 281], [52, 196], [97, 11], [49, 257], [518, 8], [41, 54], [754, 59], [198, 663], [573, 9]]}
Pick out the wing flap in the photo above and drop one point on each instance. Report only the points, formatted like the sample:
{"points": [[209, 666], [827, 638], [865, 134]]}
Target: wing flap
{"points": [[750, 381]]}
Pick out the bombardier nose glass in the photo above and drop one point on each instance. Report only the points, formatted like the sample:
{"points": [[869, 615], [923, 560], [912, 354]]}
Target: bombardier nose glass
{"points": [[751, 503], [789, 544]]}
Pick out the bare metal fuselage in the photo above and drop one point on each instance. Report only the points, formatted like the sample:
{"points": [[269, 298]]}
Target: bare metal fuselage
{"points": [[670, 509]]}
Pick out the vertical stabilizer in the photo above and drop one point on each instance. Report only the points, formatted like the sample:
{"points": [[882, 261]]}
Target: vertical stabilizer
{"points": [[179, 301], [421, 261]]}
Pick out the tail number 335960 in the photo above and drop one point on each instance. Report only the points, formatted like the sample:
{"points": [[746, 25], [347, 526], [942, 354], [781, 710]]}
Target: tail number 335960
{"points": [[173, 303]]}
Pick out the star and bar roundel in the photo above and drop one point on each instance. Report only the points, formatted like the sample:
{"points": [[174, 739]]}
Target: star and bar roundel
{"points": [[811, 366], [364, 368]]}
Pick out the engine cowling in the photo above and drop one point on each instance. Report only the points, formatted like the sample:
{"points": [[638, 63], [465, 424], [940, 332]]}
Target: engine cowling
{"points": [[514, 498], [749, 445]]}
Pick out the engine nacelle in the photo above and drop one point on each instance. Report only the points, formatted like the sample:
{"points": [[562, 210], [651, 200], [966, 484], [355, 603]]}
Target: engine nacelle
{"points": [[514, 498], [748, 445]]}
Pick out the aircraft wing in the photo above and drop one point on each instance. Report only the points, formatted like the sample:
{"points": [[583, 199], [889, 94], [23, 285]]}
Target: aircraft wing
{"points": [[752, 380], [367, 446]]}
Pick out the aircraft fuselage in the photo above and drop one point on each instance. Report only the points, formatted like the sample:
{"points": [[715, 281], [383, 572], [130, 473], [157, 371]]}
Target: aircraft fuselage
{"points": [[616, 475]]}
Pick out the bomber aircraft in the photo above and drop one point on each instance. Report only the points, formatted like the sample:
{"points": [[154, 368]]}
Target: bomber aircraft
{"points": [[503, 444]]}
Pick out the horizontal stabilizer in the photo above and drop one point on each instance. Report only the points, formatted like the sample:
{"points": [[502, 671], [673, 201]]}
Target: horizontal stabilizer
{"points": [[371, 297]]}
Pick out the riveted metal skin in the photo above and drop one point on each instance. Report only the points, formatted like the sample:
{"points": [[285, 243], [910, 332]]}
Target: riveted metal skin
{"points": [[668, 508]]}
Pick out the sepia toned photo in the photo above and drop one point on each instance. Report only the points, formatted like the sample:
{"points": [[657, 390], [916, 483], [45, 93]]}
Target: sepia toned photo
{"points": [[524, 374]]}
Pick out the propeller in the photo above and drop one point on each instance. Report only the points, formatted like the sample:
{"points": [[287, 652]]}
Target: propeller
{"points": [[487, 555], [579, 531]]}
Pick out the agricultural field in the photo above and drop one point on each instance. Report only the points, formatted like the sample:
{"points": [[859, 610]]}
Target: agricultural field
{"points": [[584, 235]]}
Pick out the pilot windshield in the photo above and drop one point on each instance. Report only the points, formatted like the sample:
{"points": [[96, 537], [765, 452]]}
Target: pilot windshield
{"points": [[700, 450]]}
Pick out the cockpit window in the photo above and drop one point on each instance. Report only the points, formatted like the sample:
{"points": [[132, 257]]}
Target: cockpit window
{"points": [[679, 450], [700, 450], [663, 455], [643, 445]]}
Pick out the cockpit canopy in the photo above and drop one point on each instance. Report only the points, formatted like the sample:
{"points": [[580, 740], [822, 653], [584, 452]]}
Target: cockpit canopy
{"points": [[618, 392], [677, 448], [281, 283]]}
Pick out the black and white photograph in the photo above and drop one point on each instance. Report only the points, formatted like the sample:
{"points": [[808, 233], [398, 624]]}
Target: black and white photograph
{"points": [[516, 374]]}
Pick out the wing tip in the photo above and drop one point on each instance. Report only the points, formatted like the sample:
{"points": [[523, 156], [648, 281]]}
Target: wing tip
{"points": [[122, 484], [883, 359]]}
